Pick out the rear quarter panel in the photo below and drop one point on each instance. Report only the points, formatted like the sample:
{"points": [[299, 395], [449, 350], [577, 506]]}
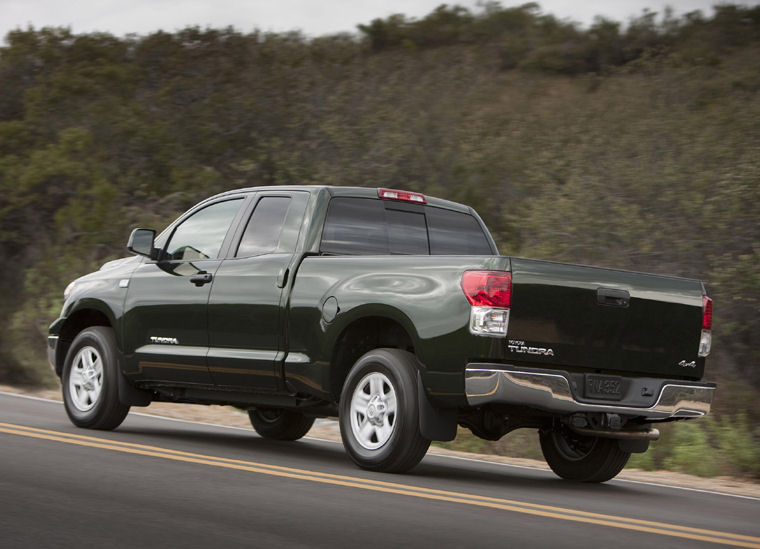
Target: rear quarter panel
{"points": [[421, 293]]}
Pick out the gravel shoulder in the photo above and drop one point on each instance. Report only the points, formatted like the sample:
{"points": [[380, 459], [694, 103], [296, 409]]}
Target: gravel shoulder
{"points": [[327, 429]]}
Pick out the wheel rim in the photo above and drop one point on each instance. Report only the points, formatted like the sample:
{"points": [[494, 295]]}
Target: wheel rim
{"points": [[86, 379], [373, 411], [573, 447]]}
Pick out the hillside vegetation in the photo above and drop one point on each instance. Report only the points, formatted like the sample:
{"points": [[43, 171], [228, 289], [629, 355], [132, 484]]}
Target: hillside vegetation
{"points": [[631, 146]]}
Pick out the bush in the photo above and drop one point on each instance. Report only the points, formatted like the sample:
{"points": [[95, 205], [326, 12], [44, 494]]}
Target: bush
{"points": [[691, 452], [738, 448], [717, 445]]}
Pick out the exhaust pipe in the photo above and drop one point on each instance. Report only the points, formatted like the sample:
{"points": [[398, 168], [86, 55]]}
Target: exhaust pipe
{"points": [[649, 434]]}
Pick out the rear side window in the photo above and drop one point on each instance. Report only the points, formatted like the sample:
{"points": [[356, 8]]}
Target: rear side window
{"points": [[363, 226], [262, 234], [355, 226]]}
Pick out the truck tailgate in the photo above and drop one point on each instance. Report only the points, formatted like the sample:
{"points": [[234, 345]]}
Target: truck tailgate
{"points": [[591, 319]]}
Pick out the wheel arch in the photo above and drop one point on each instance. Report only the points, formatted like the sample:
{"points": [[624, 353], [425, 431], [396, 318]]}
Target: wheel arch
{"points": [[78, 320], [366, 333], [361, 334]]}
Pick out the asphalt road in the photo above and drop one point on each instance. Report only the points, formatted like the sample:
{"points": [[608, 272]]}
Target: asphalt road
{"points": [[155, 482]]}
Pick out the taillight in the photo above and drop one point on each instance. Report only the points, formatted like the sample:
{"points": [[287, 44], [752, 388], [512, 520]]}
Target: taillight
{"points": [[404, 196], [706, 313], [490, 294], [488, 288], [705, 340]]}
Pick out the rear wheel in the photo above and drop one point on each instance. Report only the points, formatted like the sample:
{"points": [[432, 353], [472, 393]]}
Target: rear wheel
{"points": [[90, 381], [280, 424], [582, 458], [379, 415]]}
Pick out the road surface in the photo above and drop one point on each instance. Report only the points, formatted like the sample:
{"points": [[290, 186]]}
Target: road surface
{"points": [[156, 482]]}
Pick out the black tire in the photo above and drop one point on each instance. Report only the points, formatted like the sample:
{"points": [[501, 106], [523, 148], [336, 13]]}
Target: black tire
{"points": [[90, 382], [379, 439], [582, 458], [280, 424]]}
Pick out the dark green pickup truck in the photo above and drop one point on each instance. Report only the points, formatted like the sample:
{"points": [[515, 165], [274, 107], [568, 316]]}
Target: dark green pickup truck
{"points": [[394, 312]]}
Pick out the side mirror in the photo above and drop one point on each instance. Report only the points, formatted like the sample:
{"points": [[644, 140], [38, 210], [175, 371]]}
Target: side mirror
{"points": [[141, 242]]}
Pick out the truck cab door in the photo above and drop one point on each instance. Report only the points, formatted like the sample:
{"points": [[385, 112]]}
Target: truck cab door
{"points": [[165, 321], [248, 302]]}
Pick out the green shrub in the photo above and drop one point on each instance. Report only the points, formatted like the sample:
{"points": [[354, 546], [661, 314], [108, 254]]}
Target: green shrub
{"points": [[715, 445], [691, 452], [738, 448]]}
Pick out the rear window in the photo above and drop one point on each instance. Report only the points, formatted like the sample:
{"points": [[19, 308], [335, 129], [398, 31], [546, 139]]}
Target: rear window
{"points": [[455, 233], [365, 226]]}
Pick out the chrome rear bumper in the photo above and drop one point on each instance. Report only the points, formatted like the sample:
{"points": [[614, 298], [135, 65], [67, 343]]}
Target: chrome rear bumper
{"points": [[552, 391]]}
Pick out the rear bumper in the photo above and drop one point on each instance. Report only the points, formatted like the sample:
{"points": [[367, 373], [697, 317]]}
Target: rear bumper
{"points": [[560, 392]]}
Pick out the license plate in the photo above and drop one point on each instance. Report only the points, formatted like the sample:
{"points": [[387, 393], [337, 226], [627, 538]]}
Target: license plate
{"points": [[606, 387]]}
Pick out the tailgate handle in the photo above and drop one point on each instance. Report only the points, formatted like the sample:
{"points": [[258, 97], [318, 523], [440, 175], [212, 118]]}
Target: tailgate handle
{"points": [[612, 297]]}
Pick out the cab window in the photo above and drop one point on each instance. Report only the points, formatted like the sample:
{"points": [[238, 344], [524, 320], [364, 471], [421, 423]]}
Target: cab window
{"points": [[262, 234], [201, 235]]}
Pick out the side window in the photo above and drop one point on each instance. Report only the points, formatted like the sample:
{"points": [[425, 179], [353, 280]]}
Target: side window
{"points": [[201, 235], [355, 226], [262, 234]]}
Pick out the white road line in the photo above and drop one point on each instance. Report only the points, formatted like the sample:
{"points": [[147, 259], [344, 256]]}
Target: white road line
{"points": [[752, 498], [461, 458], [29, 397]]}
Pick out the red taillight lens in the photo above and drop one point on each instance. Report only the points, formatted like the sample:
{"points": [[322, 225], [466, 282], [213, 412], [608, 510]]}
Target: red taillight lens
{"points": [[488, 288], [706, 313], [404, 196]]}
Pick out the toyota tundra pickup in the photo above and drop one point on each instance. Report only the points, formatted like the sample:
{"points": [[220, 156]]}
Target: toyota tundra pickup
{"points": [[394, 312]]}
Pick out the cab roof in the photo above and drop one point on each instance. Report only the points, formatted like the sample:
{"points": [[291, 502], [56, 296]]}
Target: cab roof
{"points": [[357, 192]]}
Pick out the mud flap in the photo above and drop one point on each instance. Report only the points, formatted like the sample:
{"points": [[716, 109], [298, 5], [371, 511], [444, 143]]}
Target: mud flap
{"points": [[129, 395], [435, 423], [633, 446]]}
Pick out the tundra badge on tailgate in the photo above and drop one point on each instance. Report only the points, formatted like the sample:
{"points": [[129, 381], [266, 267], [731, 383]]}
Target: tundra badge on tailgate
{"points": [[520, 347]]}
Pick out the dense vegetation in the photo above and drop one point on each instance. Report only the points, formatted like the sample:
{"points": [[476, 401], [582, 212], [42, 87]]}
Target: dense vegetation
{"points": [[636, 147]]}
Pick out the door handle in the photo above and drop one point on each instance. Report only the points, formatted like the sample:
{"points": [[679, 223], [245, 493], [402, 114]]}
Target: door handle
{"points": [[201, 278]]}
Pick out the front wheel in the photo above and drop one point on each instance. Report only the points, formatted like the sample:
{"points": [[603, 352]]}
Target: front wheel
{"points": [[277, 424], [582, 458], [379, 415], [90, 382]]}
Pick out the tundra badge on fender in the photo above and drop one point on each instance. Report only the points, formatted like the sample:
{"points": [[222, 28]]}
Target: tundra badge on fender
{"points": [[164, 340]]}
